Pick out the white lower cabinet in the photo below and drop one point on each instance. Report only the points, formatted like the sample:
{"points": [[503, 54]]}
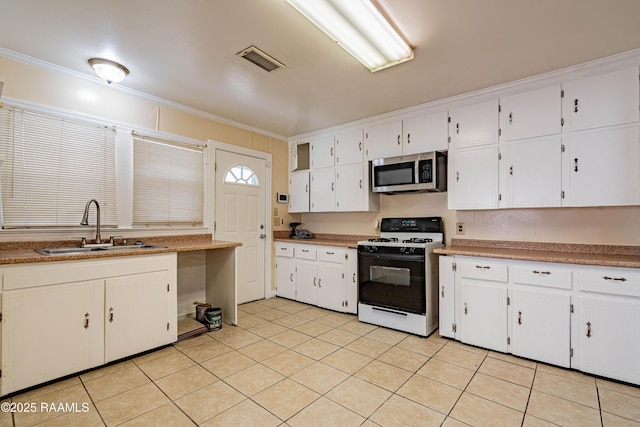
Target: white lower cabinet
{"points": [[609, 316], [64, 317], [574, 316], [325, 276]]}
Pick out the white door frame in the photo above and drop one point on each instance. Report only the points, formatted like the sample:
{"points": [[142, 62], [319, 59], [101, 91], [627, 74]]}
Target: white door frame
{"points": [[216, 145]]}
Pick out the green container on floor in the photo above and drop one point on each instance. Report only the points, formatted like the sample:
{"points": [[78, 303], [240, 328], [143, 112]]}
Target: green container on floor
{"points": [[213, 316]]}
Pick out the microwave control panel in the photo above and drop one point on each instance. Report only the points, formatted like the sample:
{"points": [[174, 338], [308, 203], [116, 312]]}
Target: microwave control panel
{"points": [[425, 171]]}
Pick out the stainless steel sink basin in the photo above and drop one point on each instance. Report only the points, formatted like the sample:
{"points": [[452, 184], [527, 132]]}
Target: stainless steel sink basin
{"points": [[85, 250]]}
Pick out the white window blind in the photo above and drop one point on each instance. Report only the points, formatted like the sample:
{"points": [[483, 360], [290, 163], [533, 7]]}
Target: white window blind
{"points": [[168, 183], [52, 166]]}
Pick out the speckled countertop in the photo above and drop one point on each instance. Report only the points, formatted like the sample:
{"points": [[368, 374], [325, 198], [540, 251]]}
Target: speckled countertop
{"points": [[341, 240], [604, 255], [24, 252]]}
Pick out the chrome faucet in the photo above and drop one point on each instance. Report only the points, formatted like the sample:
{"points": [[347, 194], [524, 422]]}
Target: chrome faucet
{"points": [[85, 219]]}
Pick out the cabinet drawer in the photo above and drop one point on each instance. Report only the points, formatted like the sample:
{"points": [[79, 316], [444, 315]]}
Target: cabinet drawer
{"points": [[483, 270], [331, 255], [284, 251], [541, 275], [611, 281], [304, 252]]}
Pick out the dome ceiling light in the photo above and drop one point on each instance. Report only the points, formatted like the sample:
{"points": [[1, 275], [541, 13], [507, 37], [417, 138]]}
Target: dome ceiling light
{"points": [[109, 71]]}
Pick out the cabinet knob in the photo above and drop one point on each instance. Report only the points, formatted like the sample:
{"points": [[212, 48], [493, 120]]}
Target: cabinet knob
{"points": [[442, 293], [398, 139], [575, 105], [465, 308], [510, 118], [519, 318], [575, 164], [86, 320], [588, 329], [511, 170], [110, 314], [408, 138]]}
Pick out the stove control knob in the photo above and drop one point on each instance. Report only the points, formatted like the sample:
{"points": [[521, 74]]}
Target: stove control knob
{"points": [[412, 250]]}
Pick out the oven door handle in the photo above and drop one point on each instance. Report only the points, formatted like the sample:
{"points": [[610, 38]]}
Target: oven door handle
{"points": [[398, 257], [389, 311]]}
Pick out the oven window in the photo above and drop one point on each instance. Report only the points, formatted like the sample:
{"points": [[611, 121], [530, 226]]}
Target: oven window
{"points": [[392, 281], [394, 174]]}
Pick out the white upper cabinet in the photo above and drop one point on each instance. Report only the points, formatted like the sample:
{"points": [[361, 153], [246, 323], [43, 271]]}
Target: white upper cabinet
{"points": [[532, 114], [349, 147], [350, 187], [383, 141], [322, 151], [602, 167], [603, 100], [475, 178], [475, 124], [425, 133], [299, 191], [323, 190], [534, 173]]}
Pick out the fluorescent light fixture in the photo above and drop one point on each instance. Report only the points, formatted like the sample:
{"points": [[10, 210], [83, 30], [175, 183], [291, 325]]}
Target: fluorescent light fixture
{"points": [[360, 28], [110, 71]]}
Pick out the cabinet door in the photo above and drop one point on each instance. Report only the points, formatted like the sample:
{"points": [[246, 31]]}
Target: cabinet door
{"points": [[610, 337], [331, 285], [532, 114], [483, 317], [350, 188], [323, 190], [603, 100], [602, 168], [447, 302], [286, 277], [351, 281], [349, 147], [534, 176], [475, 124], [425, 133], [140, 314], [322, 151], [383, 141], [299, 192], [475, 179], [306, 282], [541, 325], [51, 331]]}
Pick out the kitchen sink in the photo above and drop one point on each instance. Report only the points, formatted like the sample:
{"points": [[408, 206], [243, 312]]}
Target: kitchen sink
{"points": [[86, 250]]}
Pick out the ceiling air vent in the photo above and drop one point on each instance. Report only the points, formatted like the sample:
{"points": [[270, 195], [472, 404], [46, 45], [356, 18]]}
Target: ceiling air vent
{"points": [[261, 59]]}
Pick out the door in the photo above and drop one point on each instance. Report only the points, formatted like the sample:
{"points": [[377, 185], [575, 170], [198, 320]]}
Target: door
{"points": [[484, 315], [446, 312], [350, 187], [323, 190], [240, 216]]}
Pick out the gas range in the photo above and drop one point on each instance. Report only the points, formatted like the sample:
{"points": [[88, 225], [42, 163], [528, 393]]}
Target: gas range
{"points": [[398, 275]]}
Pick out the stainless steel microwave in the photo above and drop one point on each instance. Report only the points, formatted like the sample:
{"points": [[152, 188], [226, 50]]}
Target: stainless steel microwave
{"points": [[413, 173]]}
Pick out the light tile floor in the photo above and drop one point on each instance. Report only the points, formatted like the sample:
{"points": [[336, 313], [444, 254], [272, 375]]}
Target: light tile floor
{"points": [[296, 365]]}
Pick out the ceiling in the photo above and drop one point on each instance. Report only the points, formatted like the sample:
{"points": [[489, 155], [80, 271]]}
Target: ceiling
{"points": [[185, 51]]}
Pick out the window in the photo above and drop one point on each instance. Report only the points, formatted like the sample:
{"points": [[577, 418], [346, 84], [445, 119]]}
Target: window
{"points": [[51, 166], [168, 183], [241, 174]]}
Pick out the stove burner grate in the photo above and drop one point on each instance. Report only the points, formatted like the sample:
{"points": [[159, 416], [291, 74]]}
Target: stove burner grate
{"points": [[418, 240], [384, 239]]}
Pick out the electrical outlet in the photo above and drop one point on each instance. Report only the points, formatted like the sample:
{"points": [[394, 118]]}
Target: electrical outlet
{"points": [[459, 227], [275, 212], [276, 221]]}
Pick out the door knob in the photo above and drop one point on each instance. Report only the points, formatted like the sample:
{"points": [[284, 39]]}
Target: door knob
{"points": [[263, 236]]}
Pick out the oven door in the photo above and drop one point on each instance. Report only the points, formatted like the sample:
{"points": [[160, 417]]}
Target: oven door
{"points": [[392, 280]]}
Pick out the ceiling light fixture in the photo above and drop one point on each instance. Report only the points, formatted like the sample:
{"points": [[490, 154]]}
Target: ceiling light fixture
{"points": [[110, 71], [360, 28]]}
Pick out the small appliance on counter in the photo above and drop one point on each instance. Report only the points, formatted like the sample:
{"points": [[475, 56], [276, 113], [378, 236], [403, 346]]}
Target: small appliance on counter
{"points": [[299, 233]]}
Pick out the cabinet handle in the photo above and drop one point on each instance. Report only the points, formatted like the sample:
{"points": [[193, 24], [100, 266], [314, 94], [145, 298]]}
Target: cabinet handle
{"points": [[320, 282], [306, 188], [360, 146], [442, 292], [291, 277], [457, 127], [617, 279], [330, 253], [332, 186], [360, 183], [457, 176], [354, 277], [86, 320], [315, 283], [511, 170], [465, 308], [305, 250], [546, 273], [398, 139], [483, 267], [575, 105], [331, 152], [519, 318], [588, 329], [575, 164], [408, 138], [510, 118], [110, 314]]}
